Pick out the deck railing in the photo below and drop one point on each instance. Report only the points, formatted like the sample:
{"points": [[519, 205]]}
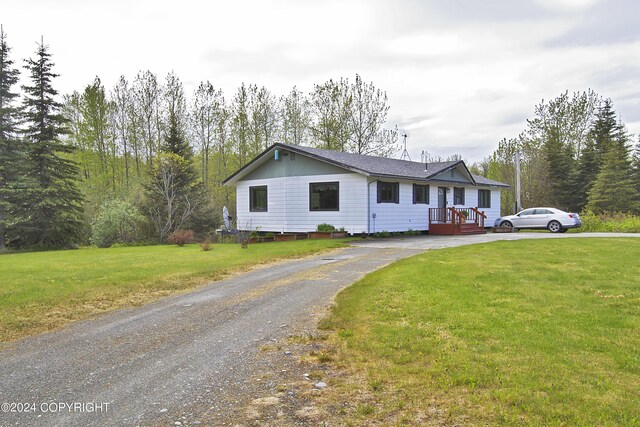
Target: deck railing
{"points": [[456, 216]]}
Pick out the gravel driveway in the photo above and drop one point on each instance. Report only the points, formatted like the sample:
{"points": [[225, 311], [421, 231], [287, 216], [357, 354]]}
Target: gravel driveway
{"points": [[188, 353], [146, 365]]}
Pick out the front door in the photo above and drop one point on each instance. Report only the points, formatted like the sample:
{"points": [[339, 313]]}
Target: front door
{"points": [[442, 204]]}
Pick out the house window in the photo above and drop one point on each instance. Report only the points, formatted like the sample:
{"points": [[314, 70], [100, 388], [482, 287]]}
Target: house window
{"points": [[324, 196], [484, 198], [258, 199], [458, 195], [420, 194], [388, 192]]}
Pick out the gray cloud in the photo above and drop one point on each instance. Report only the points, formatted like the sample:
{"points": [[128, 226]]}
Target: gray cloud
{"points": [[608, 22], [461, 74], [495, 11], [617, 75]]}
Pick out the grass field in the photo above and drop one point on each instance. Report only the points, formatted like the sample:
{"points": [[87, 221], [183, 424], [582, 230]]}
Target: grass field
{"points": [[41, 291], [530, 332]]}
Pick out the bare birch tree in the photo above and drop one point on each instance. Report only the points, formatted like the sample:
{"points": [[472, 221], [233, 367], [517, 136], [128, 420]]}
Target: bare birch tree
{"points": [[296, 118], [147, 92]]}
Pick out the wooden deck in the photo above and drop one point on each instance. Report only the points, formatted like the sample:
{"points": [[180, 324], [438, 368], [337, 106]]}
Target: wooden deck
{"points": [[452, 221]]}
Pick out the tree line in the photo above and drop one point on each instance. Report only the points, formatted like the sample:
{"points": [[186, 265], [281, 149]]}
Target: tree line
{"points": [[576, 155], [140, 160]]}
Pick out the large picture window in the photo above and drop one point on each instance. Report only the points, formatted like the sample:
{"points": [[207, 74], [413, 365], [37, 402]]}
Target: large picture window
{"points": [[484, 198], [420, 194], [458, 195], [324, 196], [258, 199], [388, 192]]}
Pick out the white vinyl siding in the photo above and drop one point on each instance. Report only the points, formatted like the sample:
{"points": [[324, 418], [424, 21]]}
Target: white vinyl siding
{"points": [[288, 204], [493, 212], [405, 215]]}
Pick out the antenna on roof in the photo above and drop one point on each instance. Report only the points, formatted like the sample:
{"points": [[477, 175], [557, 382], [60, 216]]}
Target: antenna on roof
{"points": [[405, 153]]}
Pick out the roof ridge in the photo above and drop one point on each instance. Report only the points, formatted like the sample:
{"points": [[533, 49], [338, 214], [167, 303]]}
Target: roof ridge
{"points": [[304, 147]]}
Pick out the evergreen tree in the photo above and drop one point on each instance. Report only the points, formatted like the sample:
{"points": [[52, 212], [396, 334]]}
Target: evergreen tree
{"points": [[561, 171], [614, 189], [56, 203], [588, 167], [603, 130], [636, 172], [10, 145]]}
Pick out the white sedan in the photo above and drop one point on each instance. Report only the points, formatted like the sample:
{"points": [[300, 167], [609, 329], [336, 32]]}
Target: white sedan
{"points": [[554, 220]]}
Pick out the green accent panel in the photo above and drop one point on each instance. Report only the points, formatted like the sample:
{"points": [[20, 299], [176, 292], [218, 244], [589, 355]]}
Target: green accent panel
{"points": [[458, 176], [300, 166]]}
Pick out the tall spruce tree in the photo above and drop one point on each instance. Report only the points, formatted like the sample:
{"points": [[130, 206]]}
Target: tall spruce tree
{"points": [[561, 171], [636, 172], [614, 189], [604, 129], [10, 145], [56, 204], [588, 168]]}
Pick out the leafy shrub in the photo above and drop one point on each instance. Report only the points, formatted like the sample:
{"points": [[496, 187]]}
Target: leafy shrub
{"points": [[181, 237], [382, 234], [117, 222], [411, 232], [616, 222], [325, 227], [269, 236], [255, 233]]}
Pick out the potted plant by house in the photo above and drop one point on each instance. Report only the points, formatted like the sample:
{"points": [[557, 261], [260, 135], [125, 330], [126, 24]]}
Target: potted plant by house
{"points": [[323, 231], [340, 233], [465, 214]]}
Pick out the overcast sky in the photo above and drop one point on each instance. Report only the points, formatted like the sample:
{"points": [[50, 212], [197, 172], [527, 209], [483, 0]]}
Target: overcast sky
{"points": [[460, 75]]}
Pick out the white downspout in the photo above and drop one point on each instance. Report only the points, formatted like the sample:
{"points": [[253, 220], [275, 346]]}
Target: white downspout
{"points": [[369, 206]]}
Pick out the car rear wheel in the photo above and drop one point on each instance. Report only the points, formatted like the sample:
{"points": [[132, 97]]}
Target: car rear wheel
{"points": [[506, 224], [555, 227]]}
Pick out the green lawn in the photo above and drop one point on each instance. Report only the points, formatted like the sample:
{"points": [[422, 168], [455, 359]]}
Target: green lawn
{"points": [[41, 291], [540, 332]]}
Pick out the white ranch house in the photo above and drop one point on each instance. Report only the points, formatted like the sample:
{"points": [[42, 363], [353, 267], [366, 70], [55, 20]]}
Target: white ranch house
{"points": [[291, 188]]}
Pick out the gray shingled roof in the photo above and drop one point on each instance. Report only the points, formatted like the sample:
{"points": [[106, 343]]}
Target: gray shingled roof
{"points": [[376, 166], [481, 180]]}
